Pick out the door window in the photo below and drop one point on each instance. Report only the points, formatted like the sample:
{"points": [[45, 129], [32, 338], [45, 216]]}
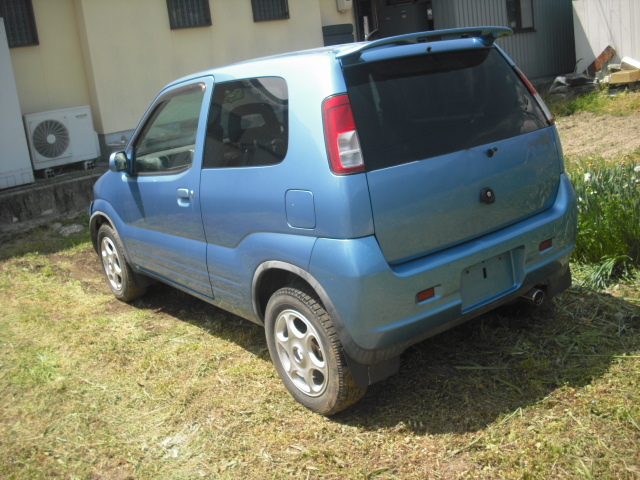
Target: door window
{"points": [[167, 143]]}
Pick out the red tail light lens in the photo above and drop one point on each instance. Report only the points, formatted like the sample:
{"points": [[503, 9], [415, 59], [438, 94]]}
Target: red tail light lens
{"points": [[345, 155], [536, 95]]}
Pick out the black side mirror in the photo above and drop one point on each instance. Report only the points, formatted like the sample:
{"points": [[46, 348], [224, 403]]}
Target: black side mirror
{"points": [[118, 162]]}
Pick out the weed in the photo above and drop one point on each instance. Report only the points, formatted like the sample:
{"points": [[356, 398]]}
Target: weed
{"points": [[608, 212], [598, 102]]}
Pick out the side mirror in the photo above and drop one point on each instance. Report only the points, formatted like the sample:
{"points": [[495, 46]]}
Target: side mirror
{"points": [[118, 162]]}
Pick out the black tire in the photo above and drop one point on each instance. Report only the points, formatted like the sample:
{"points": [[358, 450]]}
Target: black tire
{"points": [[120, 278], [307, 352]]}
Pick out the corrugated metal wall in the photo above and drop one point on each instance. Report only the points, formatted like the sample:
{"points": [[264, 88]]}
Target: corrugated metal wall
{"points": [[599, 23], [545, 52]]}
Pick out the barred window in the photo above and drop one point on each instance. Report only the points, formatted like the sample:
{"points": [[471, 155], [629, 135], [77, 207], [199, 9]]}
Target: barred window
{"points": [[520, 14], [189, 13], [19, 22], [264, 10]]}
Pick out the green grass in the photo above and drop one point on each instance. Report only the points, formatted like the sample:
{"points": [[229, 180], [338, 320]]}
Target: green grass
{"points": [[170, 387], [44, 238], [598, 102], [609, 217]]}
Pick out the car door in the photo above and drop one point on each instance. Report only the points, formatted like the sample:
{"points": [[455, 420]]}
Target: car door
{"points": [[164, 226]]}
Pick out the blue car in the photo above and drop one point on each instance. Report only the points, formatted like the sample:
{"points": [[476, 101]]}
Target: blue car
{"points": [[353, 199]]}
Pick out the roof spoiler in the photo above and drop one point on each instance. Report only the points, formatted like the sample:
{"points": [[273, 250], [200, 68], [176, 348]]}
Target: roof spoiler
{"points": [[488, 35]]}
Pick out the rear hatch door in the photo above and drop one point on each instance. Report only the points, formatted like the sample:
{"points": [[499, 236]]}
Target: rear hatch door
{"points": [[454, 145]]}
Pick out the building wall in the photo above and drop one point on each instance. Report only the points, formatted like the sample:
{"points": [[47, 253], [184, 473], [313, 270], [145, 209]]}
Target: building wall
{"points": [[545, 52], [51, 75], [116, 55], [15, 165], [600, 23], [132, 56], [330, 15]]}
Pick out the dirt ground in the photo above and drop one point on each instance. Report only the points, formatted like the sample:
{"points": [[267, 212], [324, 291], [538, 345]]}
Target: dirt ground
{"points": [[586, 134]]}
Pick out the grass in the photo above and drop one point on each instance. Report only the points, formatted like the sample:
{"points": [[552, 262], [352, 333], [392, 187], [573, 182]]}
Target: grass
{"points": [[170, 387], [598, 102], [608, 244], [608, 222]]}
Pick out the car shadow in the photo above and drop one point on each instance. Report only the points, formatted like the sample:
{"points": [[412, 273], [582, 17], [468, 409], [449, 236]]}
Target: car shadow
{"points": [[467, 377], [514, 357]]}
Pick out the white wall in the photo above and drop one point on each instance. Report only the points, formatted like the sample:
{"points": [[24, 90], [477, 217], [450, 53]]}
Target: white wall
{"points": [[331, 16], [15, 164], [599, 23], [51, 75], [130, 52], [115, 55]]}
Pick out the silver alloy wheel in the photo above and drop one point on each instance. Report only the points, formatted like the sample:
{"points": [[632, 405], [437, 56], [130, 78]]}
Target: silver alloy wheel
{"points": [[111, 263], [301, 352]]}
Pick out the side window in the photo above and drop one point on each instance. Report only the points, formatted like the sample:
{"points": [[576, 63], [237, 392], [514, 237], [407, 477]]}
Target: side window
{"points": [[248, 123], [167, 143]]}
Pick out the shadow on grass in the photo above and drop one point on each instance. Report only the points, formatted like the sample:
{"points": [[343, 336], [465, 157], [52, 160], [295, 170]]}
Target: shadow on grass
{"points": [[465, 378], [47, 238]]}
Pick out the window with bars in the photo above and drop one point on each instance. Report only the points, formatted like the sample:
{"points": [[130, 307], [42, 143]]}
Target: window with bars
{"points": [[520, 14], [19, 22], [264, 10], [189, 13]]}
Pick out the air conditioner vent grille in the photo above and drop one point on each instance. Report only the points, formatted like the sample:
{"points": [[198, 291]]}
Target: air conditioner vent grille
{"points": [[51, 138]]}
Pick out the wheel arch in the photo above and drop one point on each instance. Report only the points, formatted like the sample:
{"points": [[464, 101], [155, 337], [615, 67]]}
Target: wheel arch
{"points": [[97, 220], [273, 275]]}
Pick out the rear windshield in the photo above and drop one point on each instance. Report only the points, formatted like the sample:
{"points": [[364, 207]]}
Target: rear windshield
{"points": [[414, 108]]}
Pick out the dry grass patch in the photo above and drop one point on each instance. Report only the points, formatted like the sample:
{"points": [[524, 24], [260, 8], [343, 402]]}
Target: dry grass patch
{"points": [[170, 387]]}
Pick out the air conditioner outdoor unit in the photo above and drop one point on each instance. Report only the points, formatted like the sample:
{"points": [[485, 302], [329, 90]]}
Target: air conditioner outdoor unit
{"points": [[61, 137]]}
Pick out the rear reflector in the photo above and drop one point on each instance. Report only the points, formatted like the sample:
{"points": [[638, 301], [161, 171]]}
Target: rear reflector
{"points": [[546, 244], [426, 294], [345, 155], [536, 95]]}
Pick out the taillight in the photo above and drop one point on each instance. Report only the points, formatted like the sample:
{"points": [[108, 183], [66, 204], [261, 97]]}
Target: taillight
{"points": [[345, 155], [536, 95]]}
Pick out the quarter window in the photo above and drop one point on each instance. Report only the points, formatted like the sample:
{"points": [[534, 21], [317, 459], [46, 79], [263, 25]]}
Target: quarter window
{"points": [[248, 124], [188, 13], [19, 22], [264, 10], [520, 14], [168, 141]]}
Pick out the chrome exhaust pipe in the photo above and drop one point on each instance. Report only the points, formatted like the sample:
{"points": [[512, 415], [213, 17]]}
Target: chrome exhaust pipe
{"points": [[535, 296]]}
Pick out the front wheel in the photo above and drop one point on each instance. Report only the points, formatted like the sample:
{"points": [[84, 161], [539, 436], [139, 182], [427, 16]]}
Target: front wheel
{"points": [[118, 272], [307, 353]]}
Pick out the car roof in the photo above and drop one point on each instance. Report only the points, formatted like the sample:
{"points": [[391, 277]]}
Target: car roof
{"points": [[351, 52]]}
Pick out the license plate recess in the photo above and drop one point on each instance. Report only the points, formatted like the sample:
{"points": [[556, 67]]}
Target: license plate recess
{"points": [[487, 281]]}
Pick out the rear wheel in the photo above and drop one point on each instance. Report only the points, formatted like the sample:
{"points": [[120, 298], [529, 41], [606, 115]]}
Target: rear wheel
{"points": [[120, 278], [307, 353]]}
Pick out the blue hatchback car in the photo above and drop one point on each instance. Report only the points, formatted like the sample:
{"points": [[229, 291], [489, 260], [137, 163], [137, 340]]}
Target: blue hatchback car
{"points": [[352, 199]]}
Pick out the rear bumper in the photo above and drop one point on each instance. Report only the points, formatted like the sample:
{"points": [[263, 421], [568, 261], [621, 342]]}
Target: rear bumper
{"points": [[374, 305]]}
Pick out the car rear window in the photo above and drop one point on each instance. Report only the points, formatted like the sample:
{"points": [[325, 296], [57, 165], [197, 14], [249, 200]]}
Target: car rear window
{"points": [[414, 108]]}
